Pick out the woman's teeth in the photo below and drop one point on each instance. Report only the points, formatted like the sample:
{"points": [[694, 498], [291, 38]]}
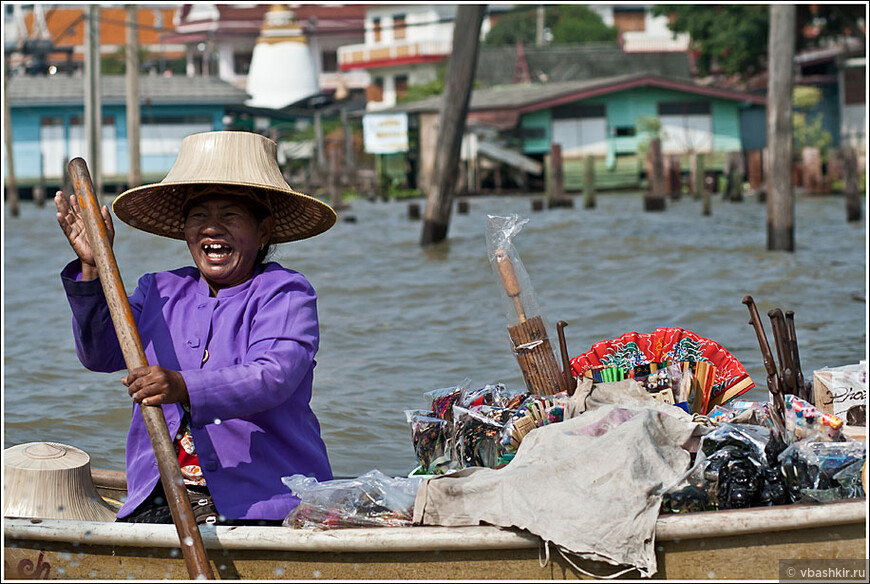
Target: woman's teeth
{"points": [[216, 250]]}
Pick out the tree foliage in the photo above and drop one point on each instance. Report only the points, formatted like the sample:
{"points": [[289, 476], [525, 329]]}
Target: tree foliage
{"points": [[567, 23], [732, 38]]}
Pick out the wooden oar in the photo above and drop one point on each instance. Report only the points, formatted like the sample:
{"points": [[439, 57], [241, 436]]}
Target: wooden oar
{"points": [[134, 355]]}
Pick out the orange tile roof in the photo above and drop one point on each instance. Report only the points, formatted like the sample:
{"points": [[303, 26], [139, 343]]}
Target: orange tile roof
{"points": [[66, 25]]}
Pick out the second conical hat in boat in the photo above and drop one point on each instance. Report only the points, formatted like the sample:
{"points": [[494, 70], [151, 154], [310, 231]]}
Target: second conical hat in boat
{"points": [[51, 481]]}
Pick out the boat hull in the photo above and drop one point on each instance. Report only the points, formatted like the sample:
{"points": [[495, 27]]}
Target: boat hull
{"points": [[744, 544]]}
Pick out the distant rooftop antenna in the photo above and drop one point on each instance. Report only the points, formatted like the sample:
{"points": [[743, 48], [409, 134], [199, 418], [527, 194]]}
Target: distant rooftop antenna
{"points": [[282, 67]]}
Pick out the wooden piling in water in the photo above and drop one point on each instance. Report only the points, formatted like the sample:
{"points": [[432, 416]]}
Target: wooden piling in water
{"points": [[462, 207], [589, 182], [654, 199], [556, 176], [780, 193], [334, 156], [696, 174], [850, 184], [674, 177], [756, 169], [734, 175], [39, 194], [11, 184], [456, 96], [413, 211]]}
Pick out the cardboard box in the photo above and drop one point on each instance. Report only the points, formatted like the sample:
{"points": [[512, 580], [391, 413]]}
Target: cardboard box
{"points": [[842, 391]]}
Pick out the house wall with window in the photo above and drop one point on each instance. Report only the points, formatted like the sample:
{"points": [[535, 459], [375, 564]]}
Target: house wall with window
{"points": [[608, 124], [45, 137]]}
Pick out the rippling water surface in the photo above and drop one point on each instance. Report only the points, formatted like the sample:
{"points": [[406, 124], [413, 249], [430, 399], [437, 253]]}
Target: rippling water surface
{"points": [[398, 320]]}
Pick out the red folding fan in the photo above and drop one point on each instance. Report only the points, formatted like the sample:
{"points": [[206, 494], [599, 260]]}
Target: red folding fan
{"points": [[669, 344]]}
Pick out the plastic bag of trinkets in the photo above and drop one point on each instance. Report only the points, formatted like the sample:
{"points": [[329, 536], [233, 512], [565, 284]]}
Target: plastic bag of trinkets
{"points": [[487, 395], [431, 438], [688, 493], [476, 433], [370, 500], [509, 398], [442, 400], [741, 468], [803, 420], [824, 471]]}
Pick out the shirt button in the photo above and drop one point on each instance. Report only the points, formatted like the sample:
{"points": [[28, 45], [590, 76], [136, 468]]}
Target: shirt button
{"points": [[201, 306], [193, 342], [211, 466]]}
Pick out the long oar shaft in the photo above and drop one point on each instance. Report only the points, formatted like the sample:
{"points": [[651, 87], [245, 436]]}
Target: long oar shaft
{"points": [[134, 355]]}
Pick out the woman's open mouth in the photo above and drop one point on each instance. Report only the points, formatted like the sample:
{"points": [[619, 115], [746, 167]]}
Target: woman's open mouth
{"points": [[216, 251]]}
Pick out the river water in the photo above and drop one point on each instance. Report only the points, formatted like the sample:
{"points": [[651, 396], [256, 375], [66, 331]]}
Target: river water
{"points": [[398, 320]]}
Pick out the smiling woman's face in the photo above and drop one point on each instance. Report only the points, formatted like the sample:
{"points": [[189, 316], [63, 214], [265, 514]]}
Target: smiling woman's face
{"points": [[223, 237]]}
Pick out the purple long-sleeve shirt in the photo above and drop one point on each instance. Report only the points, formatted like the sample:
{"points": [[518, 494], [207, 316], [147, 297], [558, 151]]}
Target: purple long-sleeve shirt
{"points": [[249, 402]]}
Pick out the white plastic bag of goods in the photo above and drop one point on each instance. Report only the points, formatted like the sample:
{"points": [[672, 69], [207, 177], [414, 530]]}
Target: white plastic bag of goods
{"points": [[385, 133], [842, 391]]}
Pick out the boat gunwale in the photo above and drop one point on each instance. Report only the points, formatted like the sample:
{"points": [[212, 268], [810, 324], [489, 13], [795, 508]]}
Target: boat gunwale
{"points": [[706, 524]]}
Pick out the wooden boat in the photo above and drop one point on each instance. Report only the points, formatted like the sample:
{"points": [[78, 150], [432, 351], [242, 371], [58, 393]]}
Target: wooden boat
{"points": [[735, 544]]}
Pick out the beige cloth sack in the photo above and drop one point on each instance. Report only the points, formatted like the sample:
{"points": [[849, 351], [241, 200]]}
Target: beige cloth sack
{"points": [[589, 485]]}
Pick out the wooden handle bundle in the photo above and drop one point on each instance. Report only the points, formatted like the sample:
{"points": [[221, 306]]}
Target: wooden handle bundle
{"points": [[531, 344], [192, 546]]}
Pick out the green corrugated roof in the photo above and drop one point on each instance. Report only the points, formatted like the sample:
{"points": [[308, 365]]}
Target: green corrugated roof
{"points": [[495, 64], [527, 96], [65, 90]]}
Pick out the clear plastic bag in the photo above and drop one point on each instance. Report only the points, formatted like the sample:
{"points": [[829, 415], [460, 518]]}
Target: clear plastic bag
{"points": [[476, 434], [431, 439], [442, 400], [500, 232], [688, 493], [370, 500], [484, 396], [824, 471], [804, 421]]}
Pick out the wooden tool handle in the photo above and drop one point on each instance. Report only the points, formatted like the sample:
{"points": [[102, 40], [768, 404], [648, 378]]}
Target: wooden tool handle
{"points": [[192, 546], [509, 280], [567, 374]]}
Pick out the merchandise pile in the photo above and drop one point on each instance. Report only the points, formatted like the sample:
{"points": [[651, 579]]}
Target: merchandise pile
{"points": [[752, 459], [466, 427]]}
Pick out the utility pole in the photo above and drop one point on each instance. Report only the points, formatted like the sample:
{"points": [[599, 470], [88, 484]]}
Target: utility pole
{"points": [[134, 177], [539, 29], [780, 198], [93, 103], [454, 109]]}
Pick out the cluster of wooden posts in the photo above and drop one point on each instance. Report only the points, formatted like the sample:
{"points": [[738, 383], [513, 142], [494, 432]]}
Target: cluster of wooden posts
{"points": [[743, 172]]}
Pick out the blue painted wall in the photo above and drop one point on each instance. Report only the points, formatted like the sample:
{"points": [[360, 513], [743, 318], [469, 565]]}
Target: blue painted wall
{"points": [[26, 123]]}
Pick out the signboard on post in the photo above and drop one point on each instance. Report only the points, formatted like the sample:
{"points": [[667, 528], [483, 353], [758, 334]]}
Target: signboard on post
{"points": [[385, 133]]}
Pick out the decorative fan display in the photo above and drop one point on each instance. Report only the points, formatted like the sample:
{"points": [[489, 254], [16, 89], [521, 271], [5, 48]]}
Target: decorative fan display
{"points": [[667, 344]]}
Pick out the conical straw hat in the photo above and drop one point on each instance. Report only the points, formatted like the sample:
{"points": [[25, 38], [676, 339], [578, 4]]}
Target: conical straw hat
{"points": [[51, 481], [232, 163]]}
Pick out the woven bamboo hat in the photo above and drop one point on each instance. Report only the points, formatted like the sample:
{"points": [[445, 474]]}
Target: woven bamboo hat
{"points": [[230, 163], [51, 481]]}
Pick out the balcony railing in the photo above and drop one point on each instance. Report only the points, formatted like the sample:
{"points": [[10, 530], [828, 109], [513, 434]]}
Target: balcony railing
{"points": [[351, 80], [641, 42], [359, 56]]}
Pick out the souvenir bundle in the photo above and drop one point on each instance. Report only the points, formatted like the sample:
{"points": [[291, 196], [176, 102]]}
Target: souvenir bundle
{"points": [[477, 427]]}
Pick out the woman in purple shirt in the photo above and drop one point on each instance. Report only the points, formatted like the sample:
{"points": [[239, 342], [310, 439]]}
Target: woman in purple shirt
{"points": [[230, 342]]}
